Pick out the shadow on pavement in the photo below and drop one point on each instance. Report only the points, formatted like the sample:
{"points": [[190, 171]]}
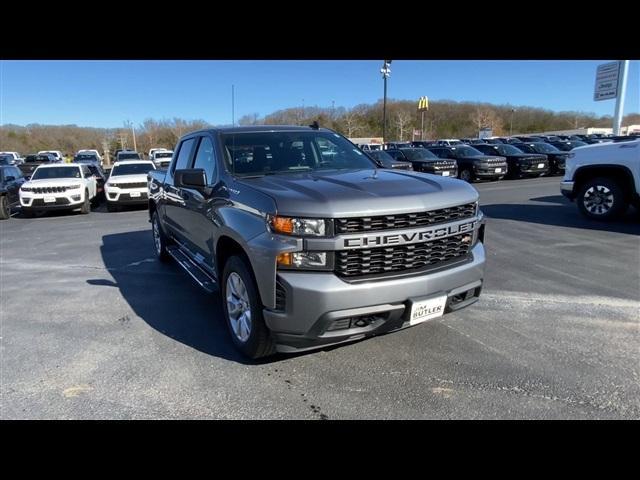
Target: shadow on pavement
{"points": [[166, 298], [562, 213]]}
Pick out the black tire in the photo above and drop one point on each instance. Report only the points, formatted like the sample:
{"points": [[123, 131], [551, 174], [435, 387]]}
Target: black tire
{"points": [[611, 204], [5, 209], [160, 239], [466, 174], [259, 342], [111, 207], [86, 206]]}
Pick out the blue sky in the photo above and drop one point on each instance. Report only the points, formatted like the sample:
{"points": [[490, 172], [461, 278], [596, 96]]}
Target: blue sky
{"points": [[108, 93]]}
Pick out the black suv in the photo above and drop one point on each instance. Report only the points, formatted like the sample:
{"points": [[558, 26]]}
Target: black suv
{"points": [[520, 164], [425, 161], [567, 145], [385, 160], [472, 163], [557, 158], [11, 179]]}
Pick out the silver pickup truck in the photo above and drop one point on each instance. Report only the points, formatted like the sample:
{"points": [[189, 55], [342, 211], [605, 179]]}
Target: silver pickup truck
{"points": [[308, 241]]}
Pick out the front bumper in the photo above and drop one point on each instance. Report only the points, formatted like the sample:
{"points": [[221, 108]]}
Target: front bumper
{"points": [[490, 171], [566, 188], [63, 201], [120, 196], [316, 302]]}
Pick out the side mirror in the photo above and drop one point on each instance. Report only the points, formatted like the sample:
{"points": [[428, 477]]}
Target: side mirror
{"points": [[190, 178]]}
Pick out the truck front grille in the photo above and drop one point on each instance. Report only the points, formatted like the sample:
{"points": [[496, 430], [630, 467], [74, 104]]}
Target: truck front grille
{"points": [[405, 220], [49, 189], [355, 263], [133, 185]]}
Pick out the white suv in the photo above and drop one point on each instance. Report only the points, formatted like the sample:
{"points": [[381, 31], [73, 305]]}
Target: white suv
{"points": [[127, 183], [603, 178], [58, 187], [161, 158]]}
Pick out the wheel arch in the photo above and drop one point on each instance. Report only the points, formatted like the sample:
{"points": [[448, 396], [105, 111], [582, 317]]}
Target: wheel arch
{"points": [[619, 173]]}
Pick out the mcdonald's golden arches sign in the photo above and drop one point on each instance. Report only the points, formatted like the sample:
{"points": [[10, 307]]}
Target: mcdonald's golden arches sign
{"points": [[423, 104]]}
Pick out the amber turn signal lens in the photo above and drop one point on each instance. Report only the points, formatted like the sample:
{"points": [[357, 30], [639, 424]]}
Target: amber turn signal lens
{"points": [[282, 224], [285, 259]]}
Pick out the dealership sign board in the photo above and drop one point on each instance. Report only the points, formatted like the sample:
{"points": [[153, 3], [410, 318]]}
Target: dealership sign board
{"points": [[606, 81]]}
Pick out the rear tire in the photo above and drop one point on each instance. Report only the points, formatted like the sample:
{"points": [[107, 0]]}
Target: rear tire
{"points": [[243, 310], [160, 240], [5, 209], [601, 199]]}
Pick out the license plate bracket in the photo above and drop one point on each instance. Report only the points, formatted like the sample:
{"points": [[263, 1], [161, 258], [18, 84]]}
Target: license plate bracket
{"points": [[422, 309]]}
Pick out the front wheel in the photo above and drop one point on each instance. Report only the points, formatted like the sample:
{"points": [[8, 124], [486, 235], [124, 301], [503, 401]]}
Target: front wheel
{"points": [[243, 310], [601, 199], [466, 175], [86, 206], [5, 210]]}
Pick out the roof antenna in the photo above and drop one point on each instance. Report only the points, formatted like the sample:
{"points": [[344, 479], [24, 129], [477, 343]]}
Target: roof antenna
{"points": [[315, 125]]}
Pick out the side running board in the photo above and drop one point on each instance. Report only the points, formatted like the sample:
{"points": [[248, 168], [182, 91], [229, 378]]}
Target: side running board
{"points": [[203, 279]]}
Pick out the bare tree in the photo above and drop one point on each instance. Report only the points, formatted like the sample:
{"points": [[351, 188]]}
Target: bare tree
{"points": [[403, 119], [352, 123]]}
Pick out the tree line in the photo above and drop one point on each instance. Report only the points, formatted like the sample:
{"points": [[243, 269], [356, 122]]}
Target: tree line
{"points": [[444, 119]]}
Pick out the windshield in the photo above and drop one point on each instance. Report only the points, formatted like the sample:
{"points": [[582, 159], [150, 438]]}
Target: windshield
{"points": [[269, 153], [508, 150], [5, 159], [419, 154], [381, 155], [164, 154], [545, 148], [131, 169], [466, 151], [85, 157], [56, 172], [128, 156]]}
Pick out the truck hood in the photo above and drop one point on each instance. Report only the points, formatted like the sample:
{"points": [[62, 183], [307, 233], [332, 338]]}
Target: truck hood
{"points": [[53, 182], [136, 178], [360, 192], [483, 158]]}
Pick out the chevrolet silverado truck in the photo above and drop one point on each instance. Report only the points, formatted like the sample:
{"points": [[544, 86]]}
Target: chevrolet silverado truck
{"points": [[309, 250], [603, 178]]}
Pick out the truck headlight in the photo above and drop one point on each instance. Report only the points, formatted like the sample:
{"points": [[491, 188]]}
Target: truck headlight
{"points": [[304, 260], [297, 226]]}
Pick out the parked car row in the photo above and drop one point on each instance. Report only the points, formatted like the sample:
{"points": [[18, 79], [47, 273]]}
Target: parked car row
{"points": [[54, 185], [469, 163]]}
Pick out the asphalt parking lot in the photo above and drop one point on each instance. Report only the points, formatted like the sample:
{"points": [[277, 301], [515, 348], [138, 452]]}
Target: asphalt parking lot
{"points": [[93, 327]]}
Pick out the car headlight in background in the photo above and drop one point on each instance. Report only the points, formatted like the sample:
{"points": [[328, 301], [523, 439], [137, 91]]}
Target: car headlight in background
{"points": [[26, 189], [297, 226], [111, 184], [304, 260], [73, 187]]}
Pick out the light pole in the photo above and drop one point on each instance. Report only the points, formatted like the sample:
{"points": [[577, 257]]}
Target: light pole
{"points": [[513, 110], [386, 72]]}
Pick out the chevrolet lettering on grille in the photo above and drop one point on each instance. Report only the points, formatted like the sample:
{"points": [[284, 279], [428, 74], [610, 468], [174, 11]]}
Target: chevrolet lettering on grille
{"points": [[381, 240]]}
